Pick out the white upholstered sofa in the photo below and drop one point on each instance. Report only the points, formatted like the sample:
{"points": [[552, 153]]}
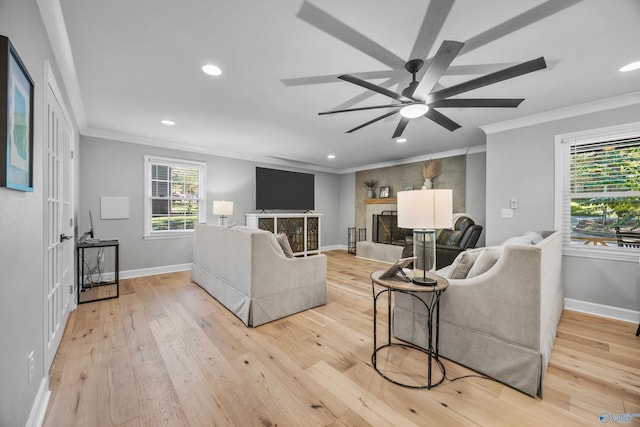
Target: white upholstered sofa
{"points": [[246, 270], [500, 313]]}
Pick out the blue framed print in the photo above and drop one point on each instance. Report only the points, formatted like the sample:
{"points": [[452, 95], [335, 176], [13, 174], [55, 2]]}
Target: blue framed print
{"points": [[16, 120]]}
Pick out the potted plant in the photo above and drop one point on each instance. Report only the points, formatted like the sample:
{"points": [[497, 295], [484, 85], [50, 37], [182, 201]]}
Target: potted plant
{"points": [[430, 170], [371, 186]]}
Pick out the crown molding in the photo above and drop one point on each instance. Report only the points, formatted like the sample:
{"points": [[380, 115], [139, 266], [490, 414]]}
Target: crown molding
{"points": [[422, 158], [53, 19], [564, 113], [133, 139]]}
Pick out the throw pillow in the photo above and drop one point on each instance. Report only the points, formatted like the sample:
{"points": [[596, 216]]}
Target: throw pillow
{"points": [[485, 261], [535, 237], [283, 240], [463, 263], [517, 240]]}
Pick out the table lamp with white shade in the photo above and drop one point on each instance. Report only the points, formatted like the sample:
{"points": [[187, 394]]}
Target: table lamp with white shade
{"points": [[424, 211], [224, 209]]}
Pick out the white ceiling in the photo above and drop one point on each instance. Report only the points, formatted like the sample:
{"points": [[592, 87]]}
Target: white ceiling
{"points": [[136, 62]]}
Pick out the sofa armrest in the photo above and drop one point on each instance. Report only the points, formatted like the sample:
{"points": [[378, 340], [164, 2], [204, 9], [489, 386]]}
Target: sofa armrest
{"points": [[272, 272]]}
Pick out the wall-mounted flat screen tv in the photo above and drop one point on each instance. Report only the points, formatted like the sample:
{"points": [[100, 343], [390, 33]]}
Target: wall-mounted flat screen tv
{"points": [[286, 190]]}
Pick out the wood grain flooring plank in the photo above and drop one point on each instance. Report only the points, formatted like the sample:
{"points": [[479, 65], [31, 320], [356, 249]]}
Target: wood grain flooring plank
{"points": [[167, 353]]}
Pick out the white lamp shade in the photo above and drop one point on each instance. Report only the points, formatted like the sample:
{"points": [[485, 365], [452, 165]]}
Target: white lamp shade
{"points": [[425, 209], [221, 207]]}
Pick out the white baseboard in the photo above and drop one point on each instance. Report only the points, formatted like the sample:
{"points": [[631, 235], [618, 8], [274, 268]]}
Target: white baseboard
{"points": [[128, 274], [602, 310], [333, 248], [39, 408]]}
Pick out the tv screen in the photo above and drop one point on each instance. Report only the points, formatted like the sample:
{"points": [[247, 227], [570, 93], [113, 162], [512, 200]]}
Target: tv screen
{"points": [[279, 189]]}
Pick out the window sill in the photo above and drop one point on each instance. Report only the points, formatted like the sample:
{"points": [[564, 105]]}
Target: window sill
{"points": [[612, 253], [158, 236]]}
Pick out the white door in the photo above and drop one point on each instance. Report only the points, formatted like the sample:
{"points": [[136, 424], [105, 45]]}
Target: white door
{"points": [[58, 220]]}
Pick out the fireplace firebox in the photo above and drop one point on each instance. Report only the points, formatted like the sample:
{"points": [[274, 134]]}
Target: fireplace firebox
{"points": [[385, 229]]}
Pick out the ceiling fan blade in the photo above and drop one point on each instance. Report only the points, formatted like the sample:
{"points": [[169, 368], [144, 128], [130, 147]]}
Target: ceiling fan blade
{"points": [[331, 78], [402, 124], [434, 18], [441, 119], [447, 52], [361, 109], [332, 26], [489, 79], [374, 120], [531, 16], [478, 103], [379, 89]]}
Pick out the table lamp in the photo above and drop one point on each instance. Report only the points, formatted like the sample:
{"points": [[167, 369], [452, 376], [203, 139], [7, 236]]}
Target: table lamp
{"points": [[224, 209], [424, 211]]}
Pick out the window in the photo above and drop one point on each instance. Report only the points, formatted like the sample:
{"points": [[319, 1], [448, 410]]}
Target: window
{"points": [[174, 196], [599, 173]]}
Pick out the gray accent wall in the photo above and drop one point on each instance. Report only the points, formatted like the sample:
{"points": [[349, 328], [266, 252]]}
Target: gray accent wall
{"points": [[476, 188], [520, 164], [116, 168], [347, 205], [22, 269]]}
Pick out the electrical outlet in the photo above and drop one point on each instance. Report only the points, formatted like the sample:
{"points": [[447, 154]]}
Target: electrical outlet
{"points": [[31, 365], [514, 203]]}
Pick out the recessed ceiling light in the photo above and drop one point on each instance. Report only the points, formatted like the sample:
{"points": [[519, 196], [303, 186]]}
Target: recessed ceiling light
{"points": [[168, 122], [630, 67], [414, 110], [331, 156], [401, 140], [211, 69]]}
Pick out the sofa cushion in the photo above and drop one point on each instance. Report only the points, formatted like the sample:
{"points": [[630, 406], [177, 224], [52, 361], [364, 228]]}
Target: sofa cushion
{"points": [[283, 240], [462, 264], [485, 260]]}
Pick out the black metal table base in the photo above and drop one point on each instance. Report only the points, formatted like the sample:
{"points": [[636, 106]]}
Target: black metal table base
{"points": [[432, 307]]}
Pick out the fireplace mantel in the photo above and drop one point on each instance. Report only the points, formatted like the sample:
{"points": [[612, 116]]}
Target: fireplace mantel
{"points": [[381, 201]]}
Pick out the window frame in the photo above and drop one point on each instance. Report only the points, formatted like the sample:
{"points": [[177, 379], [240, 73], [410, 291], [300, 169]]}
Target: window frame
{"points": [[149, 161], [562, 196]]}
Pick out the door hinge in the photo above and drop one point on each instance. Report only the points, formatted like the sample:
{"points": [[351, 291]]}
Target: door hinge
{"points": [[70, 289], [71, 154]]}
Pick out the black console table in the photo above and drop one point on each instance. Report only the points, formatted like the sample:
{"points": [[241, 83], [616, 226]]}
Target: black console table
{"points": [[93, 285]]}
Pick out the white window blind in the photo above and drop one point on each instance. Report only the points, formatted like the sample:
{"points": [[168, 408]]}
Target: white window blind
{"points": [[174, 196], [601, 192]]}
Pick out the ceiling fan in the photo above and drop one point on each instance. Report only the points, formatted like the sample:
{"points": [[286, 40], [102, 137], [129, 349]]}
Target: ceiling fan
{"points": [[420, 99]]}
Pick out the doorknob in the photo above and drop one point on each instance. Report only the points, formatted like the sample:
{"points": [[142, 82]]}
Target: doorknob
{"points": [[64, 237]]}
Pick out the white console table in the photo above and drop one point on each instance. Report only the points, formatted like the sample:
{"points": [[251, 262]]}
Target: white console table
{"points": [[302, 229]]}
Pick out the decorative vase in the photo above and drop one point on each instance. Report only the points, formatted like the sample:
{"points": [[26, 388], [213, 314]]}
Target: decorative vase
{"points": [[369, 193], [427, 184]]}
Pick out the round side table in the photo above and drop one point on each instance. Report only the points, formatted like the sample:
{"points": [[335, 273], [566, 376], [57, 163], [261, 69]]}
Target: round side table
{"points": [[432, 306]]}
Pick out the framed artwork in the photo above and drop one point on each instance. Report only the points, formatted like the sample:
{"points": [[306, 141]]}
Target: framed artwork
{"points": [[16, 120], [384, 192]]}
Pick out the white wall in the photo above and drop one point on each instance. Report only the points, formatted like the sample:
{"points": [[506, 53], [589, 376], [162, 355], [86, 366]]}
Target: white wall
{"points": [[520, 164], [116, 168], [22, 268]]}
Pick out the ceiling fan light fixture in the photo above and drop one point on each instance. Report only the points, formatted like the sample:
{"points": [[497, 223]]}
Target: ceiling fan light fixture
{"points": [[414, 110], [401, 140], [630, 67], [211, 69]]}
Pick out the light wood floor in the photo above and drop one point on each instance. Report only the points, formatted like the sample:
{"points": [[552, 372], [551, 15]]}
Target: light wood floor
{"points": [[166, 353]]}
